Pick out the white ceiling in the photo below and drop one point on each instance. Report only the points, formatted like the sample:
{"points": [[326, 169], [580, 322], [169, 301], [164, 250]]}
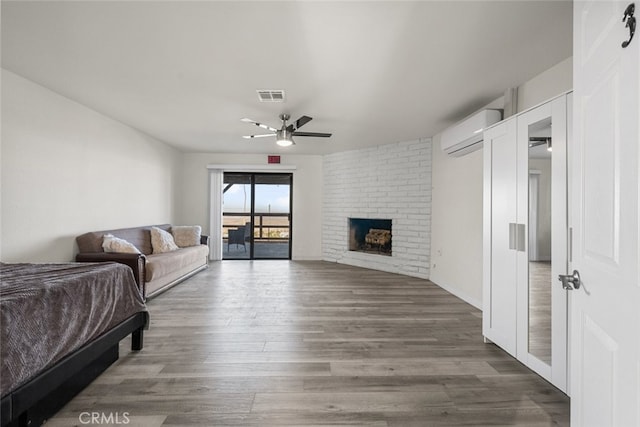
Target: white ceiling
{"points": [[370, 72]]}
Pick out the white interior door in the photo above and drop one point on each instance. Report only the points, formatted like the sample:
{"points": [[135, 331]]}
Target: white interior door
{"points": [[605, 310], [499, 275]]}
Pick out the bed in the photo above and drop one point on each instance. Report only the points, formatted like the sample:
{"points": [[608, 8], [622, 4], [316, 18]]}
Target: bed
{"points": [[60, 328]]}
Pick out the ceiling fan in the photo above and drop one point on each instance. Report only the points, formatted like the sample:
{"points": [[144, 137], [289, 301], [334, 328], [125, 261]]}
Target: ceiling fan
{"points": [[284, 135]]}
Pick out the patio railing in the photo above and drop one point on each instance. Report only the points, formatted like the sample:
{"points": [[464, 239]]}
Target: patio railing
{"points": [[267, 226]]}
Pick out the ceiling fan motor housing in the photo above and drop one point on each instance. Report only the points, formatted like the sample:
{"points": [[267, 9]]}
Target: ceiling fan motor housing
{"points": [[283, 137], [283, 134]]}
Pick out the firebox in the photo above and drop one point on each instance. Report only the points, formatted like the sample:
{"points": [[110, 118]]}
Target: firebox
{"points": [[370, 235]]}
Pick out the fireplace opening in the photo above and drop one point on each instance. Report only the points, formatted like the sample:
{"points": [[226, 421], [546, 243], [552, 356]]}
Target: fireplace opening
{"points": [[372, 236]]}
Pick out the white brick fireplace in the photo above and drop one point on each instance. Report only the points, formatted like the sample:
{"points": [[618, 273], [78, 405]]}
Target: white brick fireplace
{"points": [[390, 181]]}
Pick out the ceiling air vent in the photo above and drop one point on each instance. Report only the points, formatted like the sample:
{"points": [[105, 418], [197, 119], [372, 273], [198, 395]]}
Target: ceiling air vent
{"points": [[271, 95]]}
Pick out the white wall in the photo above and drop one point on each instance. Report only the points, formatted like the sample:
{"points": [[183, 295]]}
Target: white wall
{"points": [[67, 169], [456, 223], [391, 181], [307, 195], [552, 82], [456, 237]]}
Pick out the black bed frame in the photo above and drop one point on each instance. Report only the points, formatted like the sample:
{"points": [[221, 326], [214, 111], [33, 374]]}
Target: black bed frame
{"points": [[34, 402]]}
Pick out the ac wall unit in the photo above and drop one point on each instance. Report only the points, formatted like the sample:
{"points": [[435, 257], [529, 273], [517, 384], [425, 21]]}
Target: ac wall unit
{"points": [[466, 136]]}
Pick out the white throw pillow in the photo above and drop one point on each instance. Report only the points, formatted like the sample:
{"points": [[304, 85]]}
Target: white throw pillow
{"points": [[111, 243], [186, 235], [162, 241]]}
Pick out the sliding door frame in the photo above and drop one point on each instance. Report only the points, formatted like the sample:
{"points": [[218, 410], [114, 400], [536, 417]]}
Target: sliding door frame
{"points": [[289, 215], [253, 215], [216, 172]]}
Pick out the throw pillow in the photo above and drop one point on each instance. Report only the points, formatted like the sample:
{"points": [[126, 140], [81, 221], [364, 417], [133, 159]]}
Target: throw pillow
{"points": [[186, 235], [162, 241], [111, 243]]}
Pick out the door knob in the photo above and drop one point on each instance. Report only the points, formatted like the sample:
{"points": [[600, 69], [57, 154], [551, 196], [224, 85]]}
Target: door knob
{"points": [[570, 281]]}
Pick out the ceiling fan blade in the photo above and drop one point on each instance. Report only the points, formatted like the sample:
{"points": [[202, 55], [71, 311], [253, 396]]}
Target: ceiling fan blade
{"points": [[263, 126], [299, 123], [302, 121], [258, 136], [316, 134]]}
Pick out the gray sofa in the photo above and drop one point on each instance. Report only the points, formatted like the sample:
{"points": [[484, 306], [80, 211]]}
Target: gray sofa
{"points": [[154, 273]]}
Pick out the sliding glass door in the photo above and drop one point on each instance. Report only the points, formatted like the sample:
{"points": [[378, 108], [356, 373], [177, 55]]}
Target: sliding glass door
{"points": [[236, 215], [272, 216], [256, 216]]}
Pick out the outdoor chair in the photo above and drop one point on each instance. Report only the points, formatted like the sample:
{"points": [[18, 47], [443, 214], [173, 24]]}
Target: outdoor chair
{"points": [[239, 236]]}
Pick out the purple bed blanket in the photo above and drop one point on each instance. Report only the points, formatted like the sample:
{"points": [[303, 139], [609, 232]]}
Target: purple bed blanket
{"points": [[50, 310]]}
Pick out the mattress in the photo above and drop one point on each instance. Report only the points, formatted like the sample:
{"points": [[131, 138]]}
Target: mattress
{"points": [[50, 310]]}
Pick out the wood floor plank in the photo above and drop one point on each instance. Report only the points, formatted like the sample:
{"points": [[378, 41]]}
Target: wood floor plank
{"points": [[411, 367], [277, 420], [190, 386], [276, 369], [361, 402], [285, 343]]}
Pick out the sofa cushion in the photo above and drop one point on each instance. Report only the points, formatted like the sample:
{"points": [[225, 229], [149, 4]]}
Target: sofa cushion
{"points": [[159, 265], [110, 243], [186, 235], [162, 241], [140, 237]]}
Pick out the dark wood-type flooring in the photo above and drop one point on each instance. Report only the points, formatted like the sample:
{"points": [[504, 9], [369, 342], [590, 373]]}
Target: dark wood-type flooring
{"points": [[281, 343]]}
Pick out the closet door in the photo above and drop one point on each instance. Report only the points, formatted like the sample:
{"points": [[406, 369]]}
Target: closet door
{"points": [[542, 208], [500, 235]]}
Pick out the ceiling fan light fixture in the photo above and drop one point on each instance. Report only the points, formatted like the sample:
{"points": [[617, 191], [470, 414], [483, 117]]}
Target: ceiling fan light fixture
{"points": [[284, 142]]}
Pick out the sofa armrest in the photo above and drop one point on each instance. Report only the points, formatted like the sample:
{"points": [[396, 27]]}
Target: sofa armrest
{"points": [[204, 240], [135, 261]]}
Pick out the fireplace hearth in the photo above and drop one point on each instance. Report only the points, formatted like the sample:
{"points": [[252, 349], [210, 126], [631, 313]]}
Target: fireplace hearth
{"points": [[372, 236]]}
